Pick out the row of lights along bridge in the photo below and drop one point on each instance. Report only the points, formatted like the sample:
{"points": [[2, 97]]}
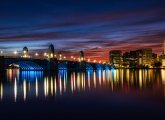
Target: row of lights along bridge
{"points": [[51, 55]]}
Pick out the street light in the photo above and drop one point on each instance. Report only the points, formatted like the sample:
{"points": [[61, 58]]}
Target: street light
{"points": [[15, 52], [45, 54], [1, 52], [36, 54]]}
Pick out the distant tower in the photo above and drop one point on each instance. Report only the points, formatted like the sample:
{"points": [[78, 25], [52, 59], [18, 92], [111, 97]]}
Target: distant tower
{"points": [[25, 52], [51, 51], [81, 56]]}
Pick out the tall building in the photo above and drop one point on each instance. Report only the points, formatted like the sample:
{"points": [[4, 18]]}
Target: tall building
{"points": [[115, 57], [139, 58], [25, 52], [162, 57], [145, 57], [81, 56], [130, 59], [51, 51]]}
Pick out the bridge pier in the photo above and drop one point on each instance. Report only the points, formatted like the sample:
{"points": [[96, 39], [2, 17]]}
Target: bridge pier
{"points": [[52, 64]]}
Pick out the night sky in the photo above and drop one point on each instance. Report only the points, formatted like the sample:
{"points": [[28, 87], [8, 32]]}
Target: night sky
{"points": [[95, 26]]}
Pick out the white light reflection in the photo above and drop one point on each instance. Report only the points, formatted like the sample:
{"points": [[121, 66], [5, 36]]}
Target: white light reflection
{"points": [[140, 79], [51, 86], [36, 87], [24, 89], [1, 91], [94, 78], [55, 86], [15, 90], [163, 76]]}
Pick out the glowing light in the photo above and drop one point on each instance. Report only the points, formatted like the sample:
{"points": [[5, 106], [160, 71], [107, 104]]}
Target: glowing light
{"points": [[99, 77], [36, 87], [89, 79], [24, 89], [94, 79], [36, 54], [94, 61], [88, 60], [15, 90], [55, 86], [51, 55], [51, 86], [46, 86], [15, 52], [45, 54], [140, 78], [1, 91], [163, 76], [60, 85]]}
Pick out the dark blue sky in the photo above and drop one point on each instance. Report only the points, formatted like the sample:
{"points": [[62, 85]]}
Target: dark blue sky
{"points": [[95, 26]]}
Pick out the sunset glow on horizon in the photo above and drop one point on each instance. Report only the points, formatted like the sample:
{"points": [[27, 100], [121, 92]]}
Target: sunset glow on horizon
{"points": [[92, 26]]}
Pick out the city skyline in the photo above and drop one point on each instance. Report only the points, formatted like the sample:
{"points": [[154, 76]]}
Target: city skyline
{"points": [[63, 55], [91, 26]]}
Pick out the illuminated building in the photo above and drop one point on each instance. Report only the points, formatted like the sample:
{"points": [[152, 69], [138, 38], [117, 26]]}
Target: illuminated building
{"points": [[145, 57], [130, 59], [139, 58], [162, 57], [25, 52], [51, 51], [115, 57]]}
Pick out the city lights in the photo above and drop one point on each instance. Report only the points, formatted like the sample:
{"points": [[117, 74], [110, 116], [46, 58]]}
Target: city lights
{"points": [[82, 59]]}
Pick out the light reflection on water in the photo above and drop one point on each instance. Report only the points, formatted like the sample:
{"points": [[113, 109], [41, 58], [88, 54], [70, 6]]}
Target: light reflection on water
{"points": [[24, 85]]}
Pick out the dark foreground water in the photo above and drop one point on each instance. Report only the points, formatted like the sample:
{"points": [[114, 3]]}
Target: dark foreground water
{"points": [[102, 94]]}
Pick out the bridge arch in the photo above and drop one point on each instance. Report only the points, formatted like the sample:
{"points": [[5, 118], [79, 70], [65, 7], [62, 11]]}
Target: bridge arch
{"points": [[26, 65]]}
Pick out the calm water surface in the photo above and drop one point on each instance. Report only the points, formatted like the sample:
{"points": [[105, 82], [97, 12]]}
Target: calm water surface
{"points": [[112, 94]]}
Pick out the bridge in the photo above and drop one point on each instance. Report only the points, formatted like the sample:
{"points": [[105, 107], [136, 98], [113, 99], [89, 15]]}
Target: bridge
{"points": [[49, 62]]}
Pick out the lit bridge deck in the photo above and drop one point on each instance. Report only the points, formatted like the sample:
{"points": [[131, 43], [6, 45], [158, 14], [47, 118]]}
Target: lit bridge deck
{"points": [[48, 64]]}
